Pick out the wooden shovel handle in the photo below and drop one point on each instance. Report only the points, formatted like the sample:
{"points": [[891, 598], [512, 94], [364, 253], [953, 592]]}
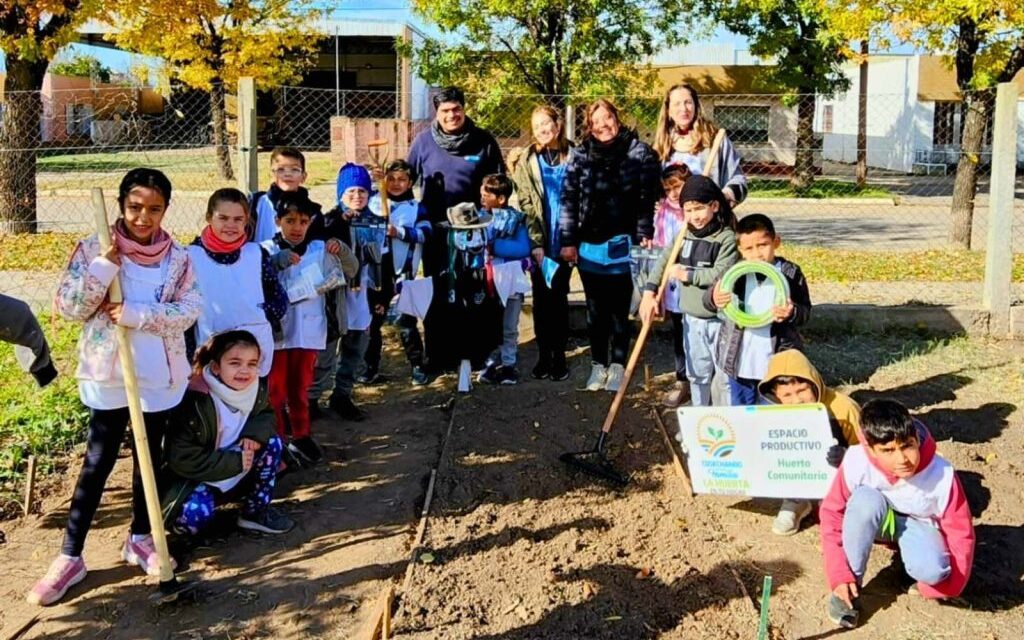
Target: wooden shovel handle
{"points": [[641, 339]]}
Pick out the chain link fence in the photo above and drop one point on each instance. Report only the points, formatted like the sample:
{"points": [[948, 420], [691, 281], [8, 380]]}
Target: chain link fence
{"points": [[883, 242]]}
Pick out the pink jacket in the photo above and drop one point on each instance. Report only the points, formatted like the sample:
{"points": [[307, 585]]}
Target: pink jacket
{"points": [[83, 287], [954, 523]]}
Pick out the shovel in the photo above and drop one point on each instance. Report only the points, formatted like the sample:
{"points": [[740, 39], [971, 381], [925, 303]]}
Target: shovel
{"points": [[170, 588], [595, 462]]}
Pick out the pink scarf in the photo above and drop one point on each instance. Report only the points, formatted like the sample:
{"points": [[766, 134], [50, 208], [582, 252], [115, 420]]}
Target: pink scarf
{"points": [[145, 255]]}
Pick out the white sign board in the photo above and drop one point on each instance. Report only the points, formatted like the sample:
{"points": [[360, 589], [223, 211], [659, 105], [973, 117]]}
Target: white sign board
{"points": [[770, 451]]}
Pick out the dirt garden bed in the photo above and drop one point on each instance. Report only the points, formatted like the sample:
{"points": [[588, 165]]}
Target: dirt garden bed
{"points": [[518, 548]]}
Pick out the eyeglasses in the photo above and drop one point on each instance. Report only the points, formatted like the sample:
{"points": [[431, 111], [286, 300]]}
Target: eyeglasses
{"points": [[287, 172]]}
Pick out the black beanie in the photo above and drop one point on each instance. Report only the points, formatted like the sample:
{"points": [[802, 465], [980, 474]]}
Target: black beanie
{"points": [[703, 189]]}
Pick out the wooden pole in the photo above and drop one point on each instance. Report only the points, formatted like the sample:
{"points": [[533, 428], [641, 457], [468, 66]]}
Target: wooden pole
{"points": [[997, 293], [248, 143], [131, 388], [30, 484]]}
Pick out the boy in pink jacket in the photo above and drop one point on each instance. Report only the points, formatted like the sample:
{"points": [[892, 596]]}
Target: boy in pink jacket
{"points": [[894, 488]]}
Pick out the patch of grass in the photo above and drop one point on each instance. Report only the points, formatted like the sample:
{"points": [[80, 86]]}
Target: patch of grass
{"points": [[822, 188], [45, 423], [822, 264], [189, 169], [48, 251]]}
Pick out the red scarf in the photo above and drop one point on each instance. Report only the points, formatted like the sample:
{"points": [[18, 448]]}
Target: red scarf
{"points": [[145, 255], [214, 244]]}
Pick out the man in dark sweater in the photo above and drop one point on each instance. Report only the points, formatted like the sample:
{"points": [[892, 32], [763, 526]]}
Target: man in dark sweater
{"points": [[450, 159]]}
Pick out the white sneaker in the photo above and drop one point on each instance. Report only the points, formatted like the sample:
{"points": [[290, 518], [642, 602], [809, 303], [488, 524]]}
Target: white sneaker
{"points": [[598, 377], [615, 374], [791, 514]]}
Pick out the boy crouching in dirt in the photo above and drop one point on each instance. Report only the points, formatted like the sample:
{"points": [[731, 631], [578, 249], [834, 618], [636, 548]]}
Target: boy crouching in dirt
{"points": [[895, 488]]}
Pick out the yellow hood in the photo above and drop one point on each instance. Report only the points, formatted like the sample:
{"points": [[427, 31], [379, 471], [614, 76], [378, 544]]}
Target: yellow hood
{"points": [[841, 408]]}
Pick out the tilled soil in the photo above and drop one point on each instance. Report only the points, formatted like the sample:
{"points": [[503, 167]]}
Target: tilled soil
{"points": [[521, 548]]}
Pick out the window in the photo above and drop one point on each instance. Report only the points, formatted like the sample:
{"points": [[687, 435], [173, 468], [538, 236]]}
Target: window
{"points": [[944, 126], [826, 119], [744, 124]]}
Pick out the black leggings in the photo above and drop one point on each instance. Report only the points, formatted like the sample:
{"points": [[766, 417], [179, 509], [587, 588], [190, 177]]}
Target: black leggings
{"points": [[608, 300], [551, 313], [106, 432]]}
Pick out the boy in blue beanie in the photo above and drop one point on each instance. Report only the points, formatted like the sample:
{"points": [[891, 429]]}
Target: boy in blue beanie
{"points": [[352, 222]]}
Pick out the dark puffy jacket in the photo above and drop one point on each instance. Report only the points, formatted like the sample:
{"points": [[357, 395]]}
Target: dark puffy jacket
{"points": [[594, 211], [785, 335]]}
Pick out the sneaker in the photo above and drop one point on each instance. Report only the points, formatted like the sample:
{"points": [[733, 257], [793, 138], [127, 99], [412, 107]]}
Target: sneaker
{"points": [[842, 615], [679, 395], [289, 462], [420, 377], [143, 554], [371, 377], [616, 373], [491, 374], [559, 370], [346, 409], [598, 377], [270, 521], [542, 369], [64, 573], [791, 514], [306, 450], [315, 412], [508, 375]]}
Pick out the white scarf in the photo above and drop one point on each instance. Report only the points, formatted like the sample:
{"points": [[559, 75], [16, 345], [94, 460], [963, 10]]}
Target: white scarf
{"points": [[242, 401]]}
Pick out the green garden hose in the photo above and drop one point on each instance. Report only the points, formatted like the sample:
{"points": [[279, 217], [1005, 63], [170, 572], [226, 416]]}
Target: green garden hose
{"points": [[732, 310]]}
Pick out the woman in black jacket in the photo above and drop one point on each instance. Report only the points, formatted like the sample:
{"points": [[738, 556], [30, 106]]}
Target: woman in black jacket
{"points": [[611, 186]]}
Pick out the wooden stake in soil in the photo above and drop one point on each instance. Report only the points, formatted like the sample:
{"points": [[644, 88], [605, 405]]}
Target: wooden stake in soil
{"points": [[30, 485], [380, 623], [677, 464]]}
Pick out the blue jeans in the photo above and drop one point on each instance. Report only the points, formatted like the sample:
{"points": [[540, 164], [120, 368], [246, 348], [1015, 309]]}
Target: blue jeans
{"points": [[922, 548], [742, 392]]}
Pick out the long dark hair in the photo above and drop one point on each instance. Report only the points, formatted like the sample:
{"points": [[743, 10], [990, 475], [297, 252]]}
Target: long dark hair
{"points": [[143, 177], [219, 344]]}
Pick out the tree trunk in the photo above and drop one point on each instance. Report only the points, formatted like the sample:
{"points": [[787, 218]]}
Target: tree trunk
{"points": [[862, 119], [220, 131], [20, 138], [978, 112], [803, 172]]}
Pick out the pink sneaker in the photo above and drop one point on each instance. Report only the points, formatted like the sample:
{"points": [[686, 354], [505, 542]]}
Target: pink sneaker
{"points": [[63, 574], [143, 553]]}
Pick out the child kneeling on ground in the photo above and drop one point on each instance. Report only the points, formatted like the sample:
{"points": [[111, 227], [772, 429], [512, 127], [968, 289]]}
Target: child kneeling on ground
{"points": [[895, 488], [223, 445], [792, 379]]}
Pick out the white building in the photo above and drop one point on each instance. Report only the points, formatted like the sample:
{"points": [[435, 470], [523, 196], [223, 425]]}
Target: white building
{"points": [[913, 116]]}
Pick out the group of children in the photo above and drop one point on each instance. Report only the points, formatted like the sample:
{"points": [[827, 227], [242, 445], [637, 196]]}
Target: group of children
{"points": [[891, 485], [238, 336]]}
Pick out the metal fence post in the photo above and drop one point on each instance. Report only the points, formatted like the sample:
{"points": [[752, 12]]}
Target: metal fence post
{"points": [[570, 119], [248, 162], [999, 248]]}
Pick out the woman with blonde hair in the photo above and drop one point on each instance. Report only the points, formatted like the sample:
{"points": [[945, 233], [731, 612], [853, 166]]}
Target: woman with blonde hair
{"points": [[538, 176], [685, 136], [611, 186]]}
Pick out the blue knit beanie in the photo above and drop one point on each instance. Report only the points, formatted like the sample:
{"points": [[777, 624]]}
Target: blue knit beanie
{"points": [[353, 175]]}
